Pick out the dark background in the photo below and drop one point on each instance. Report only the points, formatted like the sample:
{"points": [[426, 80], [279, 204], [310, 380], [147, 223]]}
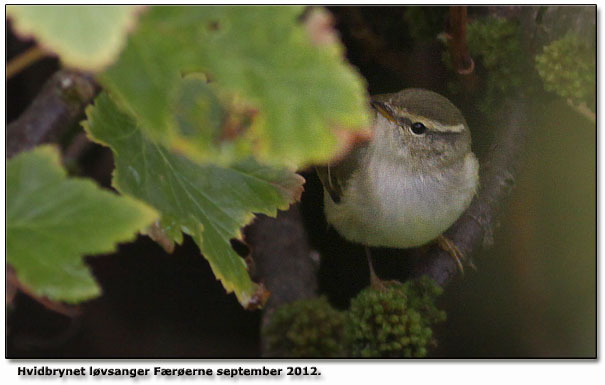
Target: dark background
{"points": [[534, 294]]}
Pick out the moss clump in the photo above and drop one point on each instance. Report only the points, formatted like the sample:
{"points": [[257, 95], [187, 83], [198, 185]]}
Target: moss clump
{"points": [[306, 328], [496, 44], [567, 67], [394, 322]]}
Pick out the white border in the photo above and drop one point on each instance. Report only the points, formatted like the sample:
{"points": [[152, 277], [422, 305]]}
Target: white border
{"points": [[450, 372]]}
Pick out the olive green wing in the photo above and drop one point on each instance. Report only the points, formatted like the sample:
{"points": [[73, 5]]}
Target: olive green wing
{"points": [[335, 177]]}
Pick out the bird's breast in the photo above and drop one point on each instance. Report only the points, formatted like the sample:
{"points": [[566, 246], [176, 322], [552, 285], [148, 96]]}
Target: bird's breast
{"points": [[388, 205]]}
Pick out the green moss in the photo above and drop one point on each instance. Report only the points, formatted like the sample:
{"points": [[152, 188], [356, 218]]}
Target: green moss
{"points": [[306, 328], [567, 67], [395, 322], [495, 44]]}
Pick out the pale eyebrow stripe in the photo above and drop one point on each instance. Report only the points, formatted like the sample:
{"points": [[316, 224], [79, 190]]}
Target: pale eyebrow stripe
{"points": [[433, 125], [442, 128]]}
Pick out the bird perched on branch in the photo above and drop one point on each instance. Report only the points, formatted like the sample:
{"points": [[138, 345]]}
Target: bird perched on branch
{"points": [[410, 182]]}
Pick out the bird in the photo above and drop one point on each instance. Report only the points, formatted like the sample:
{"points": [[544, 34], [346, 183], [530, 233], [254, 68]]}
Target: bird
{"points": [[410, 182]]}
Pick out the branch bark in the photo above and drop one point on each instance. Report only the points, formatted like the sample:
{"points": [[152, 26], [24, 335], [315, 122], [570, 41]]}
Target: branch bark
{"points": [[283, 259], [60, 102]]}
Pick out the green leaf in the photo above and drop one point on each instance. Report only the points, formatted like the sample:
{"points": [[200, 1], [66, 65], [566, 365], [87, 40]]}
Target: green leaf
{"points": [[277, 88], [52, 221], [85, 37], [209, 202]]}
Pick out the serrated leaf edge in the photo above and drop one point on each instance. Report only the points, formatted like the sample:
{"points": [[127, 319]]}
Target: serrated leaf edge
{"points": [[51, 151]]}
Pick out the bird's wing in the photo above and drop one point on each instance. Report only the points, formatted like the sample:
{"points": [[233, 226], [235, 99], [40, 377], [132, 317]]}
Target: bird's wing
{"points": [[335, 177]]}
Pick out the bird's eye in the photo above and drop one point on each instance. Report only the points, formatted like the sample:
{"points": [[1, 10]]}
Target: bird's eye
{"points": [[418, 128]]}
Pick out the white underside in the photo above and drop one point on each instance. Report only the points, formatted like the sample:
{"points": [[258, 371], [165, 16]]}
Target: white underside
{"points": [[387, 205]]}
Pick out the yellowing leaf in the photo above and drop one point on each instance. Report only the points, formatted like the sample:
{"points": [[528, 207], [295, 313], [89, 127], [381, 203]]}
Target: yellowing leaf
{"points": [[85, 37], [277, 89], [53, 221], [209, 202]]}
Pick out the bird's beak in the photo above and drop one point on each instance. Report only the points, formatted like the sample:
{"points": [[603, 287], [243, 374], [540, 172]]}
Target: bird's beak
{"points": [[384, 110]]}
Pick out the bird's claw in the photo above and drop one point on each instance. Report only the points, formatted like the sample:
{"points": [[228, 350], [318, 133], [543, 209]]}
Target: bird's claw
{"points": [[450, 247]]}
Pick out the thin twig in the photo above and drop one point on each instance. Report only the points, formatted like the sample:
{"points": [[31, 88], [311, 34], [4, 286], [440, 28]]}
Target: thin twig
{"points": [[23, 61], [58, 105], [461, 59]]}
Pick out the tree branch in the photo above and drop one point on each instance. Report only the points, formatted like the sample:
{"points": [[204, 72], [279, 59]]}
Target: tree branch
{"points": [[60, 102], [498, 169], [283, 259]]}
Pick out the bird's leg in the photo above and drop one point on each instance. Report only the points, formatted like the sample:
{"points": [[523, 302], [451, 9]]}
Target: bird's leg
{"points": [[448, 246], [375, 282]]}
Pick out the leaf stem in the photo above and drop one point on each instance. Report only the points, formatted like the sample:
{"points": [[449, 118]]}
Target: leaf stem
{"points": [[23, 61]]}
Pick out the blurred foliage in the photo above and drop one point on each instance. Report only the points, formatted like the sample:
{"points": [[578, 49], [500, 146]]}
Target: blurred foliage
{"points": [[202, 95], [208, 202], [86, 37], [267, 84], [53, 221], [568, 68], [306, 328]]}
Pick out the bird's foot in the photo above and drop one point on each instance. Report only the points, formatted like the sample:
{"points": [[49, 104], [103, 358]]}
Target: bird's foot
{"points": [[381, 285], [375, 282], [450, 247]]}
